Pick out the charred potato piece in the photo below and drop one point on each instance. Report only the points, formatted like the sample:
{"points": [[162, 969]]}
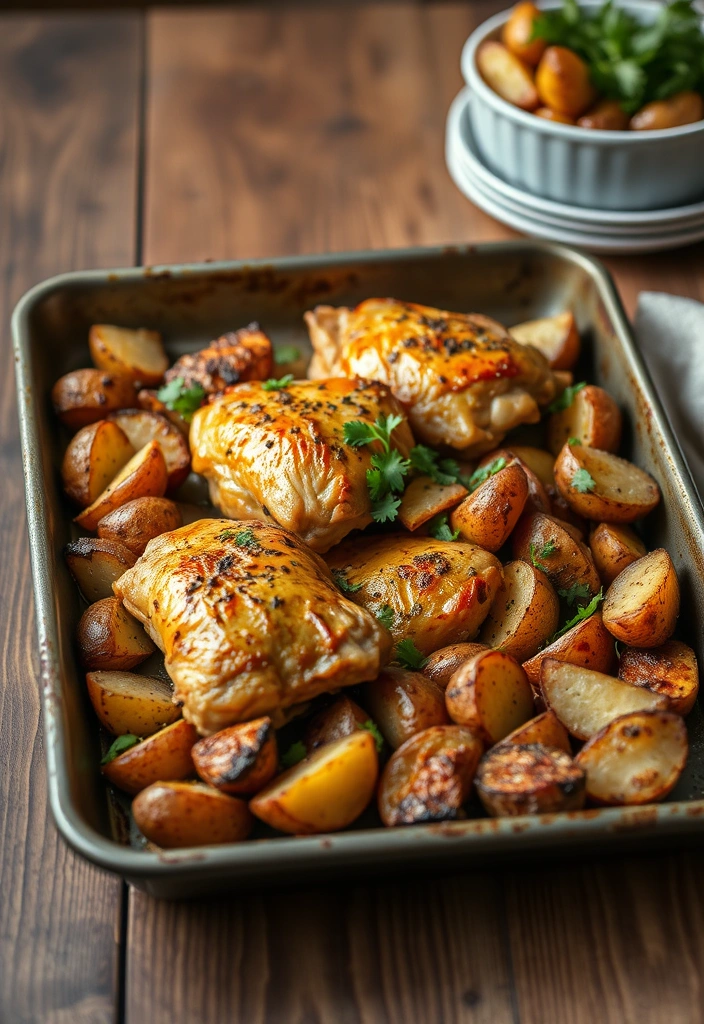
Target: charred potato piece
{"points": [[593, 418], [682, 108], [589, 643], [324, 793], [128, 703], [605, 116], [670, 670], [442, 664], [109, 638], [490, 694], [403, 703], [488, 515], [507, 75], [137, 354], [339, 719], [93, 458], [586, 701], [96, 564], [636, 759], [234, 357], [137, 522], [423, 499], [86, 396], [527, 778], [524, 613], [430, 777], [141, 427], [163, 757], [174, 815], [563, 81], [549, 545], [239, 760], [556, 337], [603, 487], [614, 547], [143, 476], [643, 602], [545, 729]]}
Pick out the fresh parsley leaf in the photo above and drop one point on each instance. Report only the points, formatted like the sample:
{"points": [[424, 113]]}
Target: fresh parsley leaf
{"points": [[428, 462], [385, 509], [286, 354], [373, 728], [439, 528], [565, 400], [227, 535], [343, 583], [577, 592], [549, 548], [245, 538], [583, 481], [386, 477], [358, 433], [277, 385], [177, 397], [479, 476], [583, 612], [386, 615], [408, 655], [119, 746], [573, 440], [295, 753], [391, 468]]}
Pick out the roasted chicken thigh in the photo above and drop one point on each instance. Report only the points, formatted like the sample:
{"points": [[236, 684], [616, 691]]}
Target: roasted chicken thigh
{"points": [[249, 620], [461, 378]]}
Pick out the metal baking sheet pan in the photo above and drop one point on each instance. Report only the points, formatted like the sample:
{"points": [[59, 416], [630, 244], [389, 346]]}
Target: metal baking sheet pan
{"points": [[193, 304]]}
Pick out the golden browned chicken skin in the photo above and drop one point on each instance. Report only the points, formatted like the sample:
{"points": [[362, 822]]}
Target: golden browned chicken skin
{"points": [[280, 455], [249, 620], [440, 591], [461, 377], [236, 356]]}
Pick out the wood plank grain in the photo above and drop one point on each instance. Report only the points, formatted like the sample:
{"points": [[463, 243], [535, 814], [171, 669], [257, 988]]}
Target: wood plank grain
{"points": [[68, 135]]}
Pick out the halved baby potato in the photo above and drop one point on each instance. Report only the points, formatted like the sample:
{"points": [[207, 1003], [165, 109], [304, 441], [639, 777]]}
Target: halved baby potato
{"points": [[545, 729], [488, 515], [604, 487], [95, 564], [589, 643], [550, 545], [514, 779], [430, 777], [326, 791], [403, 703], [524, 613], [129, 703], [86, 396], [109, 638], [141, 427], [137, 522], [556, 337], [490, 694], [538, 499], [670, 670], [137, 354], [148, 398], [424, 498], [643, 602], [537, 460], [239, 760], [613, 547], [586, 701], [442, 664], [143, 476], [94, 457], [341, 718], [174, 815], [592, 418], [507, 75], [163, 757]]}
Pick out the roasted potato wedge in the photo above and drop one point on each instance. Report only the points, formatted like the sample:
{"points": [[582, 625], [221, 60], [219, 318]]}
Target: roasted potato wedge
{"points": [[141, 427], [586, 701], [556, 337], [128, 703], [614, 547], [670, 670], [163, 757], [592, 417], [239, 760], [174, 815], [545, 729], [143, 476], [423, 499], [338, 719], [682, 108], [517, 34], [643, 602], [524, 613], [86, 396], [430, 777], [93, 458], [403, 703], [109, 638], [636, 759], [507, 75], [538, 499], [442, 664], [514, 779], [490, 694], [148, 398], [549, 545], [488, 515], [95, 565], [137, 354], [324, 793], [134, 524], [589, 643], [603, 487], [563, 83], [605, 116], [538, 461]]}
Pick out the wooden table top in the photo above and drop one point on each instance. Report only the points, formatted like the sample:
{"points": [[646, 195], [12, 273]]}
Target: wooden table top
{"points": [[225, 133]]}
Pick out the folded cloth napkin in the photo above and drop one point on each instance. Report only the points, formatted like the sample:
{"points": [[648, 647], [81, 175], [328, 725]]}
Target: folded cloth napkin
{"points": [[670, 333]]}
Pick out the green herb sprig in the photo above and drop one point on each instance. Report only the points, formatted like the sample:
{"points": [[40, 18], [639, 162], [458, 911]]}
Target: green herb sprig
{"points": [[343, 583], [119, 745], [177, 397], [408, 655], [387, 477], [439, 528], [277, 385], [583, 612], [373, 728], [565, 400]]}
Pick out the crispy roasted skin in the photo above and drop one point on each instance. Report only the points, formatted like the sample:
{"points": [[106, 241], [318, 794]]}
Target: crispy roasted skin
{"points": [[236, 356], [461, 377], [249, 620], [440, 591], [280, 455]]}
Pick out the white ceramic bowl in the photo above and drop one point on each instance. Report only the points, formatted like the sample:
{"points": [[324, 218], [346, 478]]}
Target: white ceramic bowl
{"points": [[606, 170]]}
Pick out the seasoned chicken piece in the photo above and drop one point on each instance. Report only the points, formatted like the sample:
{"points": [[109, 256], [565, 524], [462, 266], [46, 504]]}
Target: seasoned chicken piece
{"points": [[439, 591], [236, 356], [461, 377], [249, 621], [280, 455]]}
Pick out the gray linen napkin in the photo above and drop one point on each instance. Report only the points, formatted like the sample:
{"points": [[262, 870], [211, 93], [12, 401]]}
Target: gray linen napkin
{"points": [[670, 333]]}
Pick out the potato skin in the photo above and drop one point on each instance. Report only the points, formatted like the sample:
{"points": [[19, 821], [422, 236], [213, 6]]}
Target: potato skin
{"points": [[545, 729], [491, 695], [588, 643], [563, 83], [516, 34], [524, 613], [129, 703], [430, 776], [403, 703], [643, 602], [424, 498], [163, 757], [240, 759], [488, 515], [137, 354], [592, 417], [538, 500], [143, 476], [527, 778], [341, 718], [442, 664], [670, 670], [109, 638], [174, 815], [139, 521], [142, 426], [507, 75], [612, 478], [536, 461], [682, 108], [569, 561], [605, 116], [95, 564], [86, 396], [94, 456], [613, 547]]}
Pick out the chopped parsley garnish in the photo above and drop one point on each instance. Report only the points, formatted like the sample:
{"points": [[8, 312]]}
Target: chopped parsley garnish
{"points": [[386, 615], [442, 471], [277, 385], [481, 475], [343, 583], [537, 558], [373, 728], [408, 655], [119, 746], [577, 592], [583, 481], [573, 440], [386, 478], [295, 753], [583, 612], [177, 397], [565, 400], [243, 538], [439, 528], [286, 354]]}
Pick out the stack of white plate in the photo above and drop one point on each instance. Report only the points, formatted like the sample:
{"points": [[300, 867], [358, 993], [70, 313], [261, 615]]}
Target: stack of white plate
{"points": [[597, 230]]}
